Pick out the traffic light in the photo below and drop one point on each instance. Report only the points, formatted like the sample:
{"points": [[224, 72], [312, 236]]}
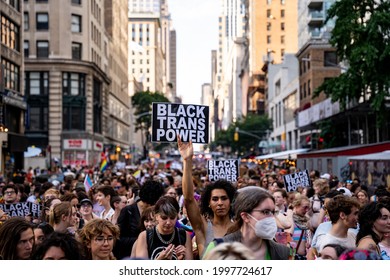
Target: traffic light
{"points": [[118, 149], [236, 136]]}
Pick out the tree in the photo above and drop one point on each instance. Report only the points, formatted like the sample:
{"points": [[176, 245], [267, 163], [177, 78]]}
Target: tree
{"points": [[362, 37], [142, 103], [251, 124]]}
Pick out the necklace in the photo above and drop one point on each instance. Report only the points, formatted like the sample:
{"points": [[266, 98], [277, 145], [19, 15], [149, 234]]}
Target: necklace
{"points": [[162, 239]]}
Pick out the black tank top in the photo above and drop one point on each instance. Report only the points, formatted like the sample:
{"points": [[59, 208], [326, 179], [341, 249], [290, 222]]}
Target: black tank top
{"points": [[156, 246]]}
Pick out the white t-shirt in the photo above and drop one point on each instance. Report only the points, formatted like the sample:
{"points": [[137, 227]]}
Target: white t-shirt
{"points": [[325, 239], [107, 216]]}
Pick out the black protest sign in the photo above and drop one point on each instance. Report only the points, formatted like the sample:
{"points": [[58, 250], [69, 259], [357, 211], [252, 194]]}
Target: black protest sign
{"points": [[295, 180], [223, 170], [191, 122], [22, 209]]}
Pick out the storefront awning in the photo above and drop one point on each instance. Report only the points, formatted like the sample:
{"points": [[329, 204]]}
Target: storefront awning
{"points": [[292, 154]]}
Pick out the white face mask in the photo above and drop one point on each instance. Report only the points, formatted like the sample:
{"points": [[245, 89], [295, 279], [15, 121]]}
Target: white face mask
{"points": [[265, 228]]}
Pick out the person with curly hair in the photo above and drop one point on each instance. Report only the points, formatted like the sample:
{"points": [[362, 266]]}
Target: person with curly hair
{"points": [[98, 238], [59, 246], [214, 216], [374, 222]]}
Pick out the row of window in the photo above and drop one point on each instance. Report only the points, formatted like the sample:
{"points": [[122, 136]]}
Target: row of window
{"points": [[42, 49], [282, 39], [42, 22], [282, 2], [282, 26], [271, 16], [78, 2]]}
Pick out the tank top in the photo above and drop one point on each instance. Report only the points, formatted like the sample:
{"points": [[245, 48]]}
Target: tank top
{"points": [[156, 246]]}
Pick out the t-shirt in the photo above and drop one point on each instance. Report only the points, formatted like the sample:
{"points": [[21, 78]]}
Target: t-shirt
{"points": [[325, 239]]}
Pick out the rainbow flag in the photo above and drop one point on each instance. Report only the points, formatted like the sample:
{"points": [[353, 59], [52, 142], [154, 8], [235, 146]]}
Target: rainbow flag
{"points": [[104, 163]]}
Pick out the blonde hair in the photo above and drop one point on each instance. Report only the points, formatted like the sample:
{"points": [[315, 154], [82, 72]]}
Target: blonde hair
{"points": [[323, 185], [298, 200], [230, 251], [55, 214]]}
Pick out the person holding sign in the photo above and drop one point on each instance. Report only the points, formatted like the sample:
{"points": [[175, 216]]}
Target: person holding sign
{"points": [[214, 217]]}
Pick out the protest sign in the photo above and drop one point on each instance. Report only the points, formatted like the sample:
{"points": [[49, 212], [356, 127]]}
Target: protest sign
{"points": [[22, 209], [223, 170], [191, 122], [295, 180]]}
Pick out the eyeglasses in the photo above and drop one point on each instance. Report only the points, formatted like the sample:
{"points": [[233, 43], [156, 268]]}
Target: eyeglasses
{"points": [[265, 212], [101, 239], [9, 193]]}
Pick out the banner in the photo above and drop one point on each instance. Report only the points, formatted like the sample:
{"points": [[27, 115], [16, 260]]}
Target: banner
{"points": [[191, 122], [223, 170], [295, 180], [22, 209]]}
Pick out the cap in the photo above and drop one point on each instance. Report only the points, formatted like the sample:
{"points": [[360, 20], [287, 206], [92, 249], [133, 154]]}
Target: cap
{"points": [[86, 200], [325, 176], [345, 191]]}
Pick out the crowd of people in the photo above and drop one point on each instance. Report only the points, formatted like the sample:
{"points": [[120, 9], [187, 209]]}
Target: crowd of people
{"points": [[170, 214]]}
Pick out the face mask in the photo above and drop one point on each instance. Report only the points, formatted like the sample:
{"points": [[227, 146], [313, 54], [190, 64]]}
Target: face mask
{"points": [[265, 228]]}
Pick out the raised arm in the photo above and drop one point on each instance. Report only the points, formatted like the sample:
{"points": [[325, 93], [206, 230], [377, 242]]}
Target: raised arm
{"points": [[193, 211]]}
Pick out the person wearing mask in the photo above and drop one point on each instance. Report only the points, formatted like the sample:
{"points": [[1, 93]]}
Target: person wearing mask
{"points": [[255, 225]]}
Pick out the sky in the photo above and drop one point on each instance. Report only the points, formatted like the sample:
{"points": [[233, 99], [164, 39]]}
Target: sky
{"points": [[196, 25]]}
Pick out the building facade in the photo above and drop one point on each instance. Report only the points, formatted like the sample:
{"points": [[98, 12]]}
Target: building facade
{"points": [[75, 79], [13, 104]]}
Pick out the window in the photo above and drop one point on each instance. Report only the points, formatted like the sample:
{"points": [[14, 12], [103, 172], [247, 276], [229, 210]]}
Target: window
{"points": [[76, 51], [76, 23], [282, 13], [38, 118], [269, 39], [15, 4], [42, 1], [73, 84], [308, 88], [330, 59], [42, 49], [26, 21], [10, 34], [282, 39], [11, 75], [269, 25], [77, 2], [282, 26], [268, 13], [282, 2], [37, 83], [42, 21], [97, 106], [26, 48], [74, 101]]}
